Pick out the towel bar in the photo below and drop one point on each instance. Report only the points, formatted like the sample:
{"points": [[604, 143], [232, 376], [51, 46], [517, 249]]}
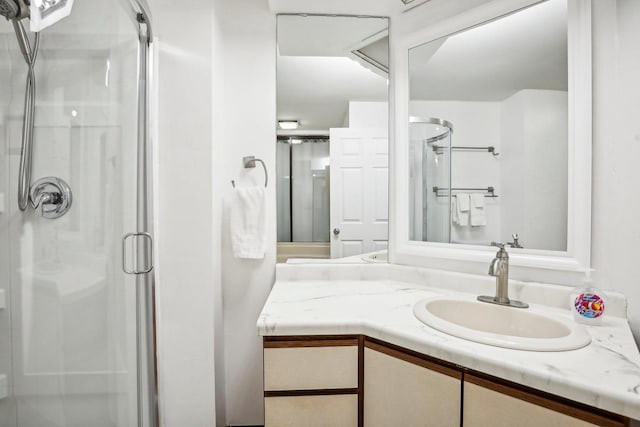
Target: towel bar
{"points": [[490, 149], [490, 190], [250, 162]]}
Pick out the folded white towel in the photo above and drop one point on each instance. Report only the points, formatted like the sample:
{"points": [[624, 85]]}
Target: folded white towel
{"points": [[478, 217], [462, 209], [248, 223]]}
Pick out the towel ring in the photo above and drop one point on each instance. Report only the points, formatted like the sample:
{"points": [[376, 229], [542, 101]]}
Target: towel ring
{"points": [[249, 162]]}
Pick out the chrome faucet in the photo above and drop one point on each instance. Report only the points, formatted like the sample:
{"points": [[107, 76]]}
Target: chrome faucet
{"points": [[499, 268]]}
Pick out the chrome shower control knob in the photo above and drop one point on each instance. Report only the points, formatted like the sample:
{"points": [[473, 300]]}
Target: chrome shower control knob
{"points": [[51, 197]]}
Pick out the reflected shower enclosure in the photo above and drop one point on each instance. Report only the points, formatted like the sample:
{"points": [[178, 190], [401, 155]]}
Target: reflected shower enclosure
{"points": [[303, 188], [430, 179]]}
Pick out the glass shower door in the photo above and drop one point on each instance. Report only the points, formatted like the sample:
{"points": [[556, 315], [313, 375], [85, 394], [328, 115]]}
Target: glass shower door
{"points": [[430, 180], [72, 357]]}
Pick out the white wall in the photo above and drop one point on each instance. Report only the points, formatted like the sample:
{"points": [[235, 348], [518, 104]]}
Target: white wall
{"points": [[187, 264], [534, 158], [245, 123], [367, 115], [616, 150], [218, 185]]}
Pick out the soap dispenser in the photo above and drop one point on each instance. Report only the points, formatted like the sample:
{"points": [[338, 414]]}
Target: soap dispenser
{"points": [[587, 302]]}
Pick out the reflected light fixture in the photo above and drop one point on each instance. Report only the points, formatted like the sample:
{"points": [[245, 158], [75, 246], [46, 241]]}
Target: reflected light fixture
{"points": [[288, 124]]}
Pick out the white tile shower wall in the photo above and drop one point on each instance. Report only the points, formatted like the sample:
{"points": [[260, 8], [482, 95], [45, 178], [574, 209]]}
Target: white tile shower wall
{"points": [[186, 260], [616, 150], [245, 122], [475, 124]]}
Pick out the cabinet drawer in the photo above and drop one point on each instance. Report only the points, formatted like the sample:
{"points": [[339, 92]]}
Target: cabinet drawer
{"points": [[311, 411], [311, 368]]}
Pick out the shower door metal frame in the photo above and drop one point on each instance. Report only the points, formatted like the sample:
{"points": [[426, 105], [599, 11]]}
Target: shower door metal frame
{"points": [[147, 391]]}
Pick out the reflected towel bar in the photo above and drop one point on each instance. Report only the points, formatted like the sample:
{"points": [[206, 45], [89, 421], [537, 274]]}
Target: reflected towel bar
{"points": [[491, 149], [250, 162], [490, 190]]}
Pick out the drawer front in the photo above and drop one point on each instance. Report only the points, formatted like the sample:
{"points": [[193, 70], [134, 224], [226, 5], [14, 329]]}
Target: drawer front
{"points": [[310, 368], [311, 411]]}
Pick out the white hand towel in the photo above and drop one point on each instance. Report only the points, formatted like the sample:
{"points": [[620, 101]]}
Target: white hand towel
{"points": [[248, 223], [462, 204], [478, 217], [455, 217]]}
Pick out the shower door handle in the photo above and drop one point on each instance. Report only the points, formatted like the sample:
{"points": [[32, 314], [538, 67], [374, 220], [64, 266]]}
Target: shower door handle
{"points": [[137, 253]]}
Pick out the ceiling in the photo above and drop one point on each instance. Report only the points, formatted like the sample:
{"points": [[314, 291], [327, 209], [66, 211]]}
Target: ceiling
{"points": [[525, 50], [318, 75], [317, 90], [300, 35]]}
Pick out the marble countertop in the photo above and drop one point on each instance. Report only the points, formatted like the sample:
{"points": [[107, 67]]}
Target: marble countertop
{"points": [[605, 374]]}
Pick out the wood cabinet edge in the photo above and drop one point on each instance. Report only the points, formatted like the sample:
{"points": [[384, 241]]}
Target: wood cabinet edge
{"points": [[538, 397]]}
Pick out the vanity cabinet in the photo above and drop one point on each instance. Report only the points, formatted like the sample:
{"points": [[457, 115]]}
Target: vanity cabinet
{"points": [[356, 381], [312, 381], [404, 390], [490, 403]]}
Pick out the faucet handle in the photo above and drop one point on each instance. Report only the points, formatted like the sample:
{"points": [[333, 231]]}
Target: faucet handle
{"points": [[515, 243], [50, 197], [502, 249]]}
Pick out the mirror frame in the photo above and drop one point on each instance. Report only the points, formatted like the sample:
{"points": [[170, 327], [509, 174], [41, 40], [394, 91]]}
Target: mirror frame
{"points": [[529, 264]]}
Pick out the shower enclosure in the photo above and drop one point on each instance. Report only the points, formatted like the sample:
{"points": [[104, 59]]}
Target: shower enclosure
{"points": [[303, 188], [76, 330], [430, 179]]}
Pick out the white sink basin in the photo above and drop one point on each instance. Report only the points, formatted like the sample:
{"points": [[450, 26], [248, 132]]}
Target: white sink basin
{"points": [[516, 328]]}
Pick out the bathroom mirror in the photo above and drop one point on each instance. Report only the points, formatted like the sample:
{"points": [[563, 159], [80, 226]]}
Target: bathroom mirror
{"points": [[332, 144], [488, 133], [493, 139]]}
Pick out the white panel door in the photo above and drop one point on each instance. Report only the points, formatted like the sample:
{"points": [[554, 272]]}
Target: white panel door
{"points": [[359, 191]]}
